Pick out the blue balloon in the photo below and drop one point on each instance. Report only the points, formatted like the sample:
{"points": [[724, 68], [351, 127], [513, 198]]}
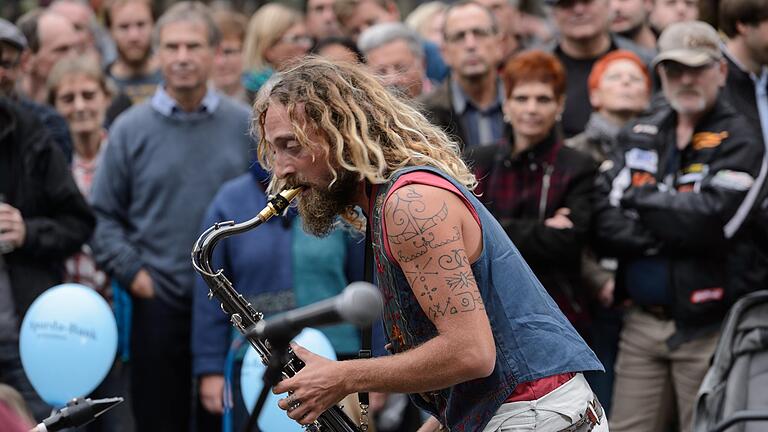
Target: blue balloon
{"points": [[272, 418], [68, 342]]}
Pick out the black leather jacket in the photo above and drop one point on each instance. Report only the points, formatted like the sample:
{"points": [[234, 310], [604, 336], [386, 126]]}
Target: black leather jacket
{"points": [[690, 210], [37, 181]]}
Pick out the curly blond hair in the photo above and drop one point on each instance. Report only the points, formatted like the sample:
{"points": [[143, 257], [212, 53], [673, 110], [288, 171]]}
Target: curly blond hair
{"points": [[371, 132]]}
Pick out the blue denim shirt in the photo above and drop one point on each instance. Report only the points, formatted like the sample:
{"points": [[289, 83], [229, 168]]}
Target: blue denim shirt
{"points": [[533, 338]]}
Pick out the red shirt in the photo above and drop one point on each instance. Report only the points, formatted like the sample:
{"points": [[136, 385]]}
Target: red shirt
{"points": [[526, 391]]}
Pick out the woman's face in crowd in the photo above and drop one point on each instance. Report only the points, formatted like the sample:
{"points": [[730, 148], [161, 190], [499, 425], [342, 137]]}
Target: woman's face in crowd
{"points": [[293, 44], [228, 63], [622, 88], [82, 101], [532, 108]]}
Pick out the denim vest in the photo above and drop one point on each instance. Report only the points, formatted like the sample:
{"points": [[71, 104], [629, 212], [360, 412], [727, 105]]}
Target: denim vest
{"points": [[533, 339]]}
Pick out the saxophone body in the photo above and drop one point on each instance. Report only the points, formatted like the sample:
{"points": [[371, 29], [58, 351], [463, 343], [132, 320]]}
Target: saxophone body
{"points": [[244, 317]]}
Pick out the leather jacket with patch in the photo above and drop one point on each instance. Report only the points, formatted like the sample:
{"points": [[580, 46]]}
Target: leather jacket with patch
{"points": [[680, 220]]}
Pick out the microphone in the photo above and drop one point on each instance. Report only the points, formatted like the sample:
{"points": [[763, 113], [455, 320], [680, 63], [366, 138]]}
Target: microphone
{"points": [[78, 412], [360, 304]]}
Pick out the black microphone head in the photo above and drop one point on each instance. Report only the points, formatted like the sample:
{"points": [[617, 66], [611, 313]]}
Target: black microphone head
{"points": [[360, 304]]}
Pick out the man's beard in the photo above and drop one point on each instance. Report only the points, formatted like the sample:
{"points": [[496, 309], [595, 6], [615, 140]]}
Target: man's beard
{"points": [[135, 62], [319, 208], [674, 102]]}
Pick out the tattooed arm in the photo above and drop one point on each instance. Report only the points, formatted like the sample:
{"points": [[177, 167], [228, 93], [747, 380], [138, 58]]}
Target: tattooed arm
{"points": [[434, 238]]}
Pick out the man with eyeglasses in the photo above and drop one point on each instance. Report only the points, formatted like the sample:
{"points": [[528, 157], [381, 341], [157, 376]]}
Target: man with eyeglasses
{"points": [[468, 104], [673, 205], [507, 14]]}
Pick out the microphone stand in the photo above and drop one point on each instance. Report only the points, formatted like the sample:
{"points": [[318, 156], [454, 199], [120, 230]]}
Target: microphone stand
{"points": [[280, 348]]}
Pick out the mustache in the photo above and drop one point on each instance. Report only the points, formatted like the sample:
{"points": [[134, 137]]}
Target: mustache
{"points": [[291, 182], [688, 89]]}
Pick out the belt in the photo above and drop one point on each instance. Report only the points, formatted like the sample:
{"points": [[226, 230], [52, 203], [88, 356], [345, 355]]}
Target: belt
{"points": [[592, 417]]}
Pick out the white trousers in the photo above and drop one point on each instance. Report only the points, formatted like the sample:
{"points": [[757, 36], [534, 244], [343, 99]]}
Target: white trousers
{"points": [[554, 411]]}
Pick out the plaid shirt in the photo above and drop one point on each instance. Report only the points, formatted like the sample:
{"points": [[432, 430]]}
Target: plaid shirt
{"points": [[531, 184], [81, 267], [524, 190]]}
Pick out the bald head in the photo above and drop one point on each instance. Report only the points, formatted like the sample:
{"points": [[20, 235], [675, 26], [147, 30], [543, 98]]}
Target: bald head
{"points": [[58, 39], [80, 15]]}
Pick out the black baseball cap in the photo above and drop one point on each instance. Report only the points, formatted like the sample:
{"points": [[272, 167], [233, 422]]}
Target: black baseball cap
{"points": [[11, 34]]}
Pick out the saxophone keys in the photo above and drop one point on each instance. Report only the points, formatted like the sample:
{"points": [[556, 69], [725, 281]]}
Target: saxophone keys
{"points": [[235, 318]]}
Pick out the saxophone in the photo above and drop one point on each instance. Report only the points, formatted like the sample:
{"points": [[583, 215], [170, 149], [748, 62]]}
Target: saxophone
{"points": [[244, 317]]}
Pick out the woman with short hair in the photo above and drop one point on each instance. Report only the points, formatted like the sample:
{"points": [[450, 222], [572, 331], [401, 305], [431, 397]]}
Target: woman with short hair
{"points": [[536, 187]]}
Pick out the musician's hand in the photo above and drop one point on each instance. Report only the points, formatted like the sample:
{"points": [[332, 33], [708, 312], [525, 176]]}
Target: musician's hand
{"points": [[212, 393], [142, 285], [317, 387]]}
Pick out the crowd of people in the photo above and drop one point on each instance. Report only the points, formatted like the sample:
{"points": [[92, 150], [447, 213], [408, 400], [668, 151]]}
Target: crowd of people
{"points": [[620, 146]]}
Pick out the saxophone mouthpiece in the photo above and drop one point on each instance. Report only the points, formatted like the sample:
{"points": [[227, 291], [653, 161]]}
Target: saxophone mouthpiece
{"points": [[279, 203], [290, 194]]}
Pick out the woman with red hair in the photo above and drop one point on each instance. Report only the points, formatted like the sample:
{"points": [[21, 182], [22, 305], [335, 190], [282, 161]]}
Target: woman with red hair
{"points": [[538, 188], [619, 90]]}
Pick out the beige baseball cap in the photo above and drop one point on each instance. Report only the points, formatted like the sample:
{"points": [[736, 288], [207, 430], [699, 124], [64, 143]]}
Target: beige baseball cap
{"points": [[692, 43]]}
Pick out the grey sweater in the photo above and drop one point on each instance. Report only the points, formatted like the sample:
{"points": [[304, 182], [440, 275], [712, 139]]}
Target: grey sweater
{"points": [[151, 190]]}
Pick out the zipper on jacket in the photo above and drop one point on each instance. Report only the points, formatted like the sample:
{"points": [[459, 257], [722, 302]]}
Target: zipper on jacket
{"points": [[545, 184]]}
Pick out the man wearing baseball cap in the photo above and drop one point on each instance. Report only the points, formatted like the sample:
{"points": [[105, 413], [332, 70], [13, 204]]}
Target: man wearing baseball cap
{"points": [[13, 46], [673, 206]]}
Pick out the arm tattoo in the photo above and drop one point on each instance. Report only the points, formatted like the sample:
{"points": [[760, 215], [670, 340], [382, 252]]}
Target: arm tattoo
{"points": [[460, 280], [454, 260], [412, 227], [464, 295], [418, 278], [466, 301], [409, 223]]}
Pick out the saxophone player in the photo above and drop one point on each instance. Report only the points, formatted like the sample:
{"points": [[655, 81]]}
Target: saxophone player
{"points": [[477, 341]]}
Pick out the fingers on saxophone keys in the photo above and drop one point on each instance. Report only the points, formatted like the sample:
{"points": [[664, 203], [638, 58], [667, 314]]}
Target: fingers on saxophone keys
{"points": [[289, 404]]}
